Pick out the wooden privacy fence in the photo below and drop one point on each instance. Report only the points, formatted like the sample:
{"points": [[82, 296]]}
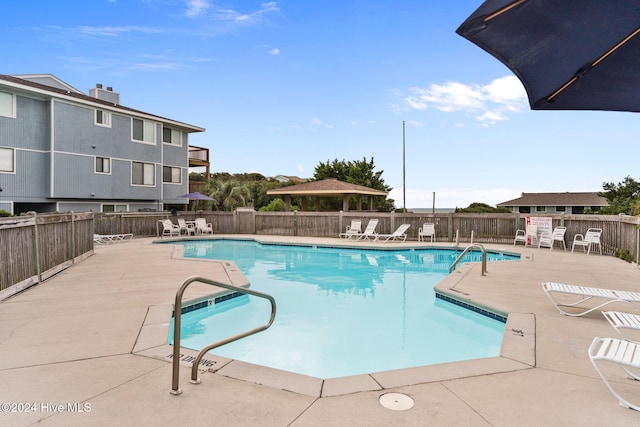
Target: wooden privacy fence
{"points": [[620, 232], [34, 247], [37, 246]]}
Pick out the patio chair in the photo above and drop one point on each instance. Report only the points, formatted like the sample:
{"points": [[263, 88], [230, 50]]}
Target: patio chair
{"points": [[547, 239], [584, 294], [105, 239], [428, 229], [622, 353], [352, 230], [370, 231], [528, 236], [188, 229], [591, 237], [621, 321], [400, 233], [202, 226], [169, 228]]}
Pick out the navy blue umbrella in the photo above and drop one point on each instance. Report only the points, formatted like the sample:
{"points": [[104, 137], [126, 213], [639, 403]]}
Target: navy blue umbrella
{"points": [[569, 54]]}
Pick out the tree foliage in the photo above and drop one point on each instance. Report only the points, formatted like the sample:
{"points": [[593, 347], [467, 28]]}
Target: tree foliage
{"points": [[623, 197], [477, 207], [359, 172], [227, 195]]}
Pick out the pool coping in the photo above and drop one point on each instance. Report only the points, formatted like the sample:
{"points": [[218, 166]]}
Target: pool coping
{"points": [[517, 351]]}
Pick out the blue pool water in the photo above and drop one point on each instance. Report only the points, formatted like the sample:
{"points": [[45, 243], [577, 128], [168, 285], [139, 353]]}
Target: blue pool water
{"points": [[341, 311]]}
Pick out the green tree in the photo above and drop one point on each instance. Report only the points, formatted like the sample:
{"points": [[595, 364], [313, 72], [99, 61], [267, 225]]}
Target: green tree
{"points": [[359, 172], [623, 197], [482, 208], [228, 195], [276, 205]]}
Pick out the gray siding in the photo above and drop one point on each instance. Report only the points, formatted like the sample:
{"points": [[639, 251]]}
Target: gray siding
{"points": [[64, 150]]}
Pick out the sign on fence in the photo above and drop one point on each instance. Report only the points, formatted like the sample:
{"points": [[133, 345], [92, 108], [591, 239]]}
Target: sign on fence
{"points": [[543, 223]]}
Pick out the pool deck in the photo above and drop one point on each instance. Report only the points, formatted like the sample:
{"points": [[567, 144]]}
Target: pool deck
{"points": [[86, 347]]}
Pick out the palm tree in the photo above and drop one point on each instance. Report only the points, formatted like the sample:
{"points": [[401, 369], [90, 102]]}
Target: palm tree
{"points": [[227, 194]]}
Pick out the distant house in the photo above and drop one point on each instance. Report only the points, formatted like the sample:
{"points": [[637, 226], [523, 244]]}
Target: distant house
{"points": [[62, 150], [553, 203], [289, 178]]}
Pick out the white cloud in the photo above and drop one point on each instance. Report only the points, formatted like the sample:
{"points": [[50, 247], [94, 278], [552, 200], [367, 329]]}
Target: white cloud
{"points": [[196, 7], [489, 102], [300, 169], [317, 122], [274, 52], [230, 15]]}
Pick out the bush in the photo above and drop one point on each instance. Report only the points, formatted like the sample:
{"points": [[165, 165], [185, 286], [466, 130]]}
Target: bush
{"points": [[4, 213], [625, 255]]}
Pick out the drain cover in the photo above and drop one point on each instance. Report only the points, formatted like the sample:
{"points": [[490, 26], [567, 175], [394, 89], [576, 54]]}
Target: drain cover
{"points": [[396, 401]]}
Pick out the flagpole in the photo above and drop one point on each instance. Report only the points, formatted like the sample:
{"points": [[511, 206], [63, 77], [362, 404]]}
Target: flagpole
{"points": [[404, 188]]}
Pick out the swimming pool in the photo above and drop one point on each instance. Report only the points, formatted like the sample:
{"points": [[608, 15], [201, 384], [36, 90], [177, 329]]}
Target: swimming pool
{"points": [[341, 311]]}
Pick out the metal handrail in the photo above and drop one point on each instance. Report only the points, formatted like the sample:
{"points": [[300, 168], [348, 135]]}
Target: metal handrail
{"points": [[175, 383], [467, 249]]}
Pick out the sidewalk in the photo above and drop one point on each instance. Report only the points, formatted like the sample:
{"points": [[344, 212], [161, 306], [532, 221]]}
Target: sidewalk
{"points": [[80, 349]]}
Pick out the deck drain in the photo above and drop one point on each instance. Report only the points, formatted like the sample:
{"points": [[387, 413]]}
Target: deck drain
{"points": [[396, 401]]}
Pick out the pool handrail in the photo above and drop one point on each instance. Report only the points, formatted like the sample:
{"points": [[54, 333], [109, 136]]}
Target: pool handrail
{"points": [[467, 249], [175, 382]]}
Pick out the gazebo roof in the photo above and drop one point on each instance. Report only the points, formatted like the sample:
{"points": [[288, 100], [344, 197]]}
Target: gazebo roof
{"points": [[328, 187]]}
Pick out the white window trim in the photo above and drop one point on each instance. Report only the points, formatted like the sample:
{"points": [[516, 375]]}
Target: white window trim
{"points": [[144, 185], [95, 166], [179, 144], [102, 205], [171, 182], [13, 171], [105, 114], [143, 123], [13, 108]]}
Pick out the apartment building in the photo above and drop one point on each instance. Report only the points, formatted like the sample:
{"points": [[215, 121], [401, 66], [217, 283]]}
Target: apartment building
{"points": [[62, 150]]}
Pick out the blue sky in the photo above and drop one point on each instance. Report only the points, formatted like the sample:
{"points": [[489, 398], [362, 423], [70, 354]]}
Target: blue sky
{"points": [[283, 85]]}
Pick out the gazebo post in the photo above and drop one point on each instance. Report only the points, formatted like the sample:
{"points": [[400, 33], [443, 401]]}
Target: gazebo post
{"points": [[345, 202]]}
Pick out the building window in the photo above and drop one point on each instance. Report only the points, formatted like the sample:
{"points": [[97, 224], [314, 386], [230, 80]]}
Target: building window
{"points": [[170, 174], [7, 104], [541, 208], [561, 208], [143, 173], [103, 165], [114, 208], [171, 136], [7, 160], [143, 131], [103, 118], [524, 209]]}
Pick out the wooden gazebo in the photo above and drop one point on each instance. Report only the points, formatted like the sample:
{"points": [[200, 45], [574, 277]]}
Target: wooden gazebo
{"points": [[329, 187]]}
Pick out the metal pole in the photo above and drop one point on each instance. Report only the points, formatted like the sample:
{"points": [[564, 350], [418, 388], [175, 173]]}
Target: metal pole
{"points": [[404, 188], [433, 209]]}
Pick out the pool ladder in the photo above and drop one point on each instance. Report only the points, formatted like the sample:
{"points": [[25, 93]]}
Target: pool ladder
{"points": [[467, 249], [175, 383]]}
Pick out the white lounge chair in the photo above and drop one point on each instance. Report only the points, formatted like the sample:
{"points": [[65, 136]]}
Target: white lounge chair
{"points": [[584, 294], [428, 229], [591, 237], [547, 240], [400, 233], [202, 226], [352, 230], [169, 228], [188, 229], [621, 321], [528, 236], [622, 353], [106, 239], [370, 231]]}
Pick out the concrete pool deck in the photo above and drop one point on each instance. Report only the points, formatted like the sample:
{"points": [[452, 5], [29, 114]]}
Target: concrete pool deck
{"points": [[86, 348]]}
